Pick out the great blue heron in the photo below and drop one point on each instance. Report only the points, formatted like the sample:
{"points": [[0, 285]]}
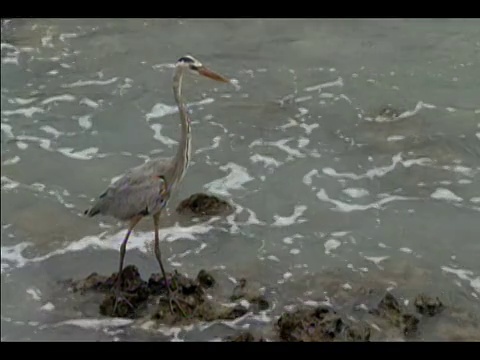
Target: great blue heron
{"points": [[145, 190]]}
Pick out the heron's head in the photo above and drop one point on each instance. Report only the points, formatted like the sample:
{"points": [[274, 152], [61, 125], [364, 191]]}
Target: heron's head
{"points": [[191, 64]]}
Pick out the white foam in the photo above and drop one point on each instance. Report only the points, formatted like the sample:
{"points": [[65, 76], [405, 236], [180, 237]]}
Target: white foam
{"points": [[160, 110], [273, 258], [47, 307], [475, 200], [295, 251], [43, 143], [292, 219], [445, 194], [80, 83], [85, 121], [466, 275], [281, 144], [356, 193], [319, 87], [21, 145], [287, 275], [51, 130], [22, 101], [8, 184], [302, 142], [233, 181], [376, 259], [409, 113], [34, 293], [65, 36], [378, 171], [11, 161], [406, 250], [291, 123], [89, 103], [289, 239], [395, 138], [27, 112], [65, 97], [216, 144], [12, 256], [340, 233], [96, 324], [266, 160], [7, 129], [86, 154], [307, 178], [163, 139], [464, 170], [344, 207], [309, 128], [331, 244]]}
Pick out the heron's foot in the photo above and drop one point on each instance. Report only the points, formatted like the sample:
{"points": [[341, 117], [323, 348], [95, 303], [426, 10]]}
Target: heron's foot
{"points": [[120, 298], [174, 300]]}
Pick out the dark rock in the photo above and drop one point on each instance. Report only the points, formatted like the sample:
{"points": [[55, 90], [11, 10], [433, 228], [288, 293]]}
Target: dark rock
{"points": [[91, 282], [409, 324], [205, 279], [320, 324], [202, 204], [243, 337], [427, 305], [357, 332], [134, 291], [234, 313], [389, 304], [241, 291], [389, 308]]}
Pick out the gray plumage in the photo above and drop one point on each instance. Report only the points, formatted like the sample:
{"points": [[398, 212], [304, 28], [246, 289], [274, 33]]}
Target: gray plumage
{"points": [[145, 190]]}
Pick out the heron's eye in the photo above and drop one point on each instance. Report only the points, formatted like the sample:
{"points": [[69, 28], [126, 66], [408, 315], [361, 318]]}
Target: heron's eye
{"points": [[193, 67]]}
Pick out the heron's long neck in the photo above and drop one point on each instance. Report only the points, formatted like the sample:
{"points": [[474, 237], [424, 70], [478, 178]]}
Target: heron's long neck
{"points": [[182, 158]]}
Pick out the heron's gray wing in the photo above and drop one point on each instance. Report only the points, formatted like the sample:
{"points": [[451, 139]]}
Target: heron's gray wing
{"points": [[131, 195]]}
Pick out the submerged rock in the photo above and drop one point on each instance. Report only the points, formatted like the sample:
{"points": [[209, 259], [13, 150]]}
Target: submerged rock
{"points": [[135, 292], [253, 296], [139, 297], [427, 305], [320, 324], [244, 337], [390, 309], [201, 204]]}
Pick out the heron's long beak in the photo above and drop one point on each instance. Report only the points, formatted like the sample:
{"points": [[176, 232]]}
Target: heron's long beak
{"points": [[212, 75]]}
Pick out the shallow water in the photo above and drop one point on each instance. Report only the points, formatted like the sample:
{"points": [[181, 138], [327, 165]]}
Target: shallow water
{"points": [[349, 146]]}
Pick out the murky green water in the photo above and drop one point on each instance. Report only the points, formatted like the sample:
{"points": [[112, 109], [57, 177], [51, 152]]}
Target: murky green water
{"points": [[351, 146]]}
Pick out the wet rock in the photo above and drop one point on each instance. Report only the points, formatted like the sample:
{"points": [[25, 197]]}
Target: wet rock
{"points": [[357, 332], [93, 281], [242, 291], [320, 324], [134, 291], [202, 204], [427, 305], [243, 337], [389, 308], [234, 313], [205, 279]]}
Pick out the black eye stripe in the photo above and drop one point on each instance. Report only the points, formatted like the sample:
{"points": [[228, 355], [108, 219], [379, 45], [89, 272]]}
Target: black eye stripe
{"points": [[193, 67], [185, 59]]}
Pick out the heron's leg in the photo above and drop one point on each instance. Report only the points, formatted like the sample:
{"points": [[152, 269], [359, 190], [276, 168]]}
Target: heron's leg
{"points": [[171, 298], [123, 248]]}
